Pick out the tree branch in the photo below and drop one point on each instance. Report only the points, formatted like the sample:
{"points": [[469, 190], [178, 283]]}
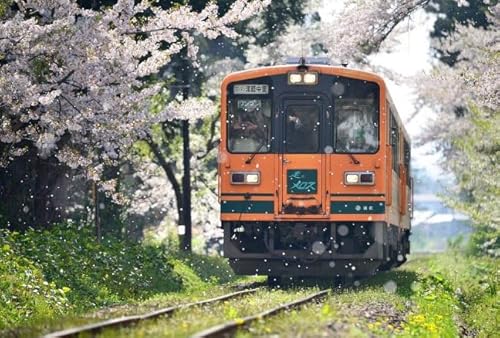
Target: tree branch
{"points": [[204, 182], [168, 168], [389, 26], [71, 104], [65, 77], [211, 143]]}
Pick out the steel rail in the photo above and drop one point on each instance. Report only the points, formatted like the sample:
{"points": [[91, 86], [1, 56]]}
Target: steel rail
{"points": [[123, 321], [227, 329]]}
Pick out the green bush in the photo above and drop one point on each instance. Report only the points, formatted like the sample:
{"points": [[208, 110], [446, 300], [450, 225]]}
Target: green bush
{"points": [[97, 273], [24, 293], [210, 269], [47, 273], [485, 240]]}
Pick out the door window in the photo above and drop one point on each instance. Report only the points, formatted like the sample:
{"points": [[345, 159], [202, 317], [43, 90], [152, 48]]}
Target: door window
{"points": [[302, 129]]}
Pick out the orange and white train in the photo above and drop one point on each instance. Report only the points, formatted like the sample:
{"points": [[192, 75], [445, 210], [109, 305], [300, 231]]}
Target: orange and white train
{"points": [[314, 172]]}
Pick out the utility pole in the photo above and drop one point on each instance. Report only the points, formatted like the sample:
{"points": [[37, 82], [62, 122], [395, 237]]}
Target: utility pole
{"points": [[185, 241], [185, 232]]}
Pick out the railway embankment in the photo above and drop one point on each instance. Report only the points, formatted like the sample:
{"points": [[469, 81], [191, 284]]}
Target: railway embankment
{"points": [[65, 273], [438, 295], [43, 290]]}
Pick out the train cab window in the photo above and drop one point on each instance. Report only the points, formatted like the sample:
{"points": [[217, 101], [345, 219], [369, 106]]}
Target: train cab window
{"points": [[302, 128], [249, 129], [356, 110]]}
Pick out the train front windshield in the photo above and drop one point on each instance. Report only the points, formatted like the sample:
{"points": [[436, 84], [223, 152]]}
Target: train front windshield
{"points": [[249, 125], [356, 111], [337, 114]]}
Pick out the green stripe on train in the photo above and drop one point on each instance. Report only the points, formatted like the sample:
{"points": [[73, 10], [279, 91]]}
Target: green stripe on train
{"points": [[357, 207], [249, 207]]}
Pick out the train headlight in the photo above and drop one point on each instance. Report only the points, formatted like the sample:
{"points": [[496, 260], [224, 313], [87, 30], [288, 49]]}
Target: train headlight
{"points": [[295, 78], [351, 178], [252, 178], [245, 177], [359, 178], [303, 78], [311, 78], [237, 178]]}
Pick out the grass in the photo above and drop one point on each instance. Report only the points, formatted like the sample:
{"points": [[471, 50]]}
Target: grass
{"points": [[444, 295], [473, 284], [127, 309], [64, 273], [189, 321], [64, 276]]}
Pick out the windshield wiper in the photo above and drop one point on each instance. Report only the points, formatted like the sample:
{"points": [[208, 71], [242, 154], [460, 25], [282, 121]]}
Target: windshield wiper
{"points": [[250, 158], [354, 160]]}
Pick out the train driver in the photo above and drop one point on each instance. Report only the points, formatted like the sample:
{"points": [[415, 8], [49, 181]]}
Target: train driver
{"points": [[302, 129], [248, 129]]}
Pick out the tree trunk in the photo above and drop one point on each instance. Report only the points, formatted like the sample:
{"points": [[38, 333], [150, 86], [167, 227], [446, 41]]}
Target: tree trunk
{"points": [[95, 204], [169, 171]]}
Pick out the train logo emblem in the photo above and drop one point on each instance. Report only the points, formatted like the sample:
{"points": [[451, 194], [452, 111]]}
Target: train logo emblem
{"points": [[302, 181]]}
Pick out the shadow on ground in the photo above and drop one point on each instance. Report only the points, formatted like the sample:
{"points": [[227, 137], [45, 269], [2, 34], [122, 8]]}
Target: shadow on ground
{"points": [[396, 281]]}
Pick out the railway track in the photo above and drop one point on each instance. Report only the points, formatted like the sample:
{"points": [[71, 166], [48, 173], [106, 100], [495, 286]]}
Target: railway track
{"points": [[228, 329], [125, 321]]}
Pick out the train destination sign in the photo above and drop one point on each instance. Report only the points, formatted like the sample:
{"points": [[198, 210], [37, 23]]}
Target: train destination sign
{"points": [[251, 89]]}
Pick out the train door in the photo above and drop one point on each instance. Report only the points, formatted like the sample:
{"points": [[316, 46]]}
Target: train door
{"points": [[302, 167]]}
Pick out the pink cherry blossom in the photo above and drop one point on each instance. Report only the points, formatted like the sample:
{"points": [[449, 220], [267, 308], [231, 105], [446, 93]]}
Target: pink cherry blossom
{"points": [[71, 79]]}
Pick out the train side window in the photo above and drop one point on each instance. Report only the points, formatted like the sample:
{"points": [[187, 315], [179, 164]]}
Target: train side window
{"points": [[249, 125], [407, 158], [394, 142]]}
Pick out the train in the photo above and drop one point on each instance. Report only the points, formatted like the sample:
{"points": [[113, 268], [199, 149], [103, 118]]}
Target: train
{"points": [[313, 172]]}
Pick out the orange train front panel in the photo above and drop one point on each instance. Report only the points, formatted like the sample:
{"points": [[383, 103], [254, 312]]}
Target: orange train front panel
{"points": [[300, 178], [247, 201]]}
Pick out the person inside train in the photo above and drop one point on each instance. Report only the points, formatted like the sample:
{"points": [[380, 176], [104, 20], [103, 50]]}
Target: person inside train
{"points": [[302, 129], [249, 128]]}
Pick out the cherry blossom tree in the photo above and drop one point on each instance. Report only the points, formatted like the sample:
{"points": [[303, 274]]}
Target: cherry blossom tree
{"points": [[191, 81], [72, 80], [353, 30], [466, 129]]}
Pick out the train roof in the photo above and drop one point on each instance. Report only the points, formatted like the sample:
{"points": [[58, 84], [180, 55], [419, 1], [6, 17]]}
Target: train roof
{"points": [[321, 68], [315, 64]]}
